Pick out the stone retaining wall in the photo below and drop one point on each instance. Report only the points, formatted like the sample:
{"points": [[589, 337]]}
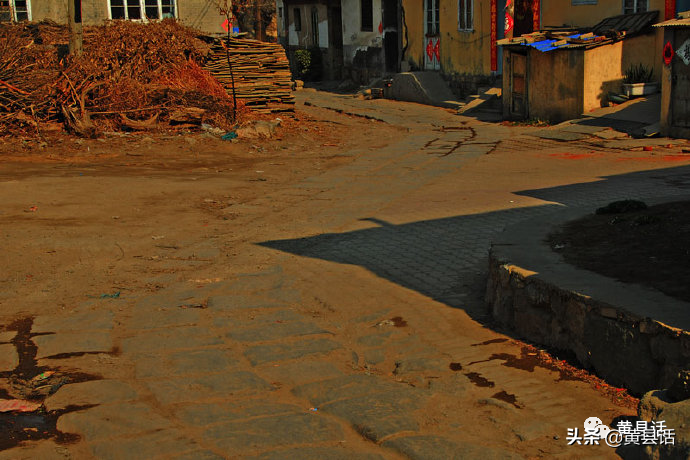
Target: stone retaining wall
{"points": [[627, 350]]}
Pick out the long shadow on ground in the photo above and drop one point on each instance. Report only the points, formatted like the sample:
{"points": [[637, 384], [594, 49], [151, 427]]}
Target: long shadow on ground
{"points": [[446, 258]]}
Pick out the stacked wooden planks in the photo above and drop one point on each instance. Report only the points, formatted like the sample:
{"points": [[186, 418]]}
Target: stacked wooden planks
{"points": [[261, 71]]}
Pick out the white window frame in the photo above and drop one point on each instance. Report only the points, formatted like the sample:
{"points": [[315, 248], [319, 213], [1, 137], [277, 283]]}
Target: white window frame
{"points": [[635, 7], [13, 9], [464, 14], [142, 9]]}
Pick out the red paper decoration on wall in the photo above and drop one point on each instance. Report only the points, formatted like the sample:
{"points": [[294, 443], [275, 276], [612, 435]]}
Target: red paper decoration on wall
{"points": [[668, 53]]}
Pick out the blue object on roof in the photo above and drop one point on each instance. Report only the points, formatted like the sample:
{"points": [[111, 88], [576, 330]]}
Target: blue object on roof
{"points": [[548, 45]]}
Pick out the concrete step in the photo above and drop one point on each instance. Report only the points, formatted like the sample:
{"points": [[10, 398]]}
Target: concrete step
{"points": [[424, 88]]}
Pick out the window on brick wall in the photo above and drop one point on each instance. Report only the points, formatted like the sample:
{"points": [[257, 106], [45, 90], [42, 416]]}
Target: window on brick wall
{"points": [[635, 6], [138, 10], [15, 10], [465, 15]]}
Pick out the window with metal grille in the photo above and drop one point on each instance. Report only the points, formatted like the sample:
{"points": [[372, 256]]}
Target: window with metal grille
{"points": [[432, 17], [15, 10], [315, 27], [137, 10], [367, 16], [635, 6], [465, 15]]}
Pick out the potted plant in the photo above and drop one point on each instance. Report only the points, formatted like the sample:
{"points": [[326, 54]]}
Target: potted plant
{"points": [[639, 81]]}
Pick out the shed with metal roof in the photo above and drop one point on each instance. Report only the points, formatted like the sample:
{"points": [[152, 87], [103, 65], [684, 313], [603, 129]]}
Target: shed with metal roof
{"points": [[560, 75]]}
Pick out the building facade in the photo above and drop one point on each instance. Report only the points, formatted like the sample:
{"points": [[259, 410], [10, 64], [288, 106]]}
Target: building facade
{"points": [[200, 14]]}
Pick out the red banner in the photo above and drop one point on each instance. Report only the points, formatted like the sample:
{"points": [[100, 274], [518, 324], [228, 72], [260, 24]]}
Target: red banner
{"points": [[536, 23], [669, 9], [494, 36], [509, 22]]}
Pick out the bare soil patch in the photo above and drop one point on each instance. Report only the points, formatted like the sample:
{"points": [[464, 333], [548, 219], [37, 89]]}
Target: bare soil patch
{"points": [[650, 247]]}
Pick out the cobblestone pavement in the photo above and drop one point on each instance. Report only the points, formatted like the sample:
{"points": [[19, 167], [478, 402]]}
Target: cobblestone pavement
{"points": [[339, 317]]}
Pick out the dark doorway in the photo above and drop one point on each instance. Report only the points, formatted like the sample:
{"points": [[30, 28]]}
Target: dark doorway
{"points": [[524, 17], [391, 35], [335, 41]]}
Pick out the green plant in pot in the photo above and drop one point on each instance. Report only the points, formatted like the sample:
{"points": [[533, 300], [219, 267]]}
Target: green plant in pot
{"points": [[638, 80]]}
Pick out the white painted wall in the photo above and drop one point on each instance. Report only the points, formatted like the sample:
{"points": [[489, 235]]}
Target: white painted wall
{"points": [[305, 37], [354, 38]]}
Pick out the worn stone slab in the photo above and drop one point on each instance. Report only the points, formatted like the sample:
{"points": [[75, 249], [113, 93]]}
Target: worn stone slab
{"points": [[558, 135], [80, 321], [209, 414], [351, 386], [374, 340], [582, 129], [373, 317], [231, 302], [280, 352], [379, 415], [267, 317], [198, 388], [110, 420], [438, 448], [276, 331], [629, 143], [316, 453], [252, 283], [7, 336], [39, 450], [172, 298], [92, 392], [531, 430], [73, 342], [610, 134], [184, 362], [8, 357], [166, 317], [298, 373], [375, 356], [170, 339], [198, 455], [277, 431], [161, 444], [419, 365]]}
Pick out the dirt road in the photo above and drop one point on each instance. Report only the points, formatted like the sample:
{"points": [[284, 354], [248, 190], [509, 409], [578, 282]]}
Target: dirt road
{"points": [[313, 296]]}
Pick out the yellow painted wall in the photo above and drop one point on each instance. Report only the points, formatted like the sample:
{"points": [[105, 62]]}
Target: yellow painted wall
{"points": [[466, 52], [414, 26], [603, 73], [562, 12], [461, 52]]}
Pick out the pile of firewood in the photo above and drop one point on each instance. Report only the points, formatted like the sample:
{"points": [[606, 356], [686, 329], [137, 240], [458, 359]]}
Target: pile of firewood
{"points": [[131, 76], [261, 72]]}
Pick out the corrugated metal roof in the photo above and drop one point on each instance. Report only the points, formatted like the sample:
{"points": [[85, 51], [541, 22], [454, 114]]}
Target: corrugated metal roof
{"points": [[628, 23], [607, 31], [674, 23]]}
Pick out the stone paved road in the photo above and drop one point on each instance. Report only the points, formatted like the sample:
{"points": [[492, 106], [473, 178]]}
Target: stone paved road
{"points": [[340, 316]]}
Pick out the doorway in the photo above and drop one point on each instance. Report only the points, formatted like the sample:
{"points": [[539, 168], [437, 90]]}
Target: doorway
{"points": [[391, 35], [518, 86], [335, 41], [432, 47]]}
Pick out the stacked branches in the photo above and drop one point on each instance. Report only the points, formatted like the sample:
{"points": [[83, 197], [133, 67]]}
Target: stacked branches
{"points": [[262, 73], [131, 76]]}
